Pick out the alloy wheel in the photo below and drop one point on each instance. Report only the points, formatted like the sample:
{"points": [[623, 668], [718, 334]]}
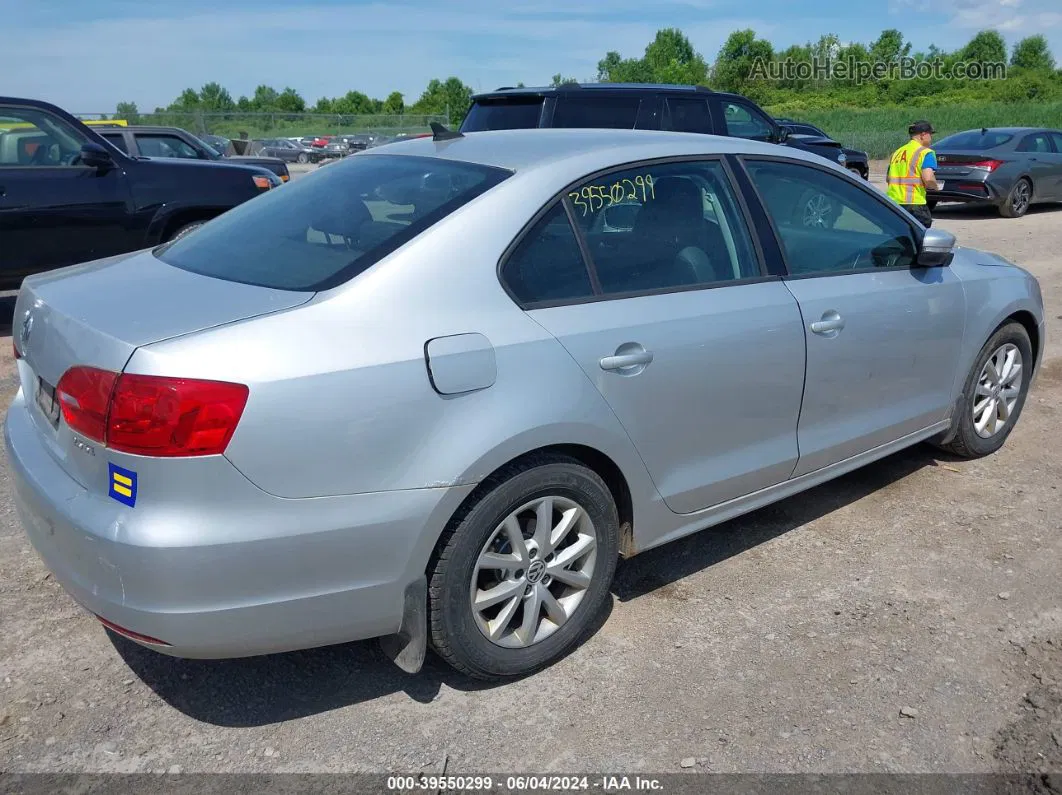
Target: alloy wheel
{"points": [[997, 392], [533, 572]]}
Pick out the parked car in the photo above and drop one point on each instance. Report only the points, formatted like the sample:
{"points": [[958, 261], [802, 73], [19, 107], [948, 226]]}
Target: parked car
{"points": [[1011, 168], [681, 108], [67, 195], [287, 150], [856, 160], [219, 143], [442, 420], [336, 147], [173, 142], [635, 106]]}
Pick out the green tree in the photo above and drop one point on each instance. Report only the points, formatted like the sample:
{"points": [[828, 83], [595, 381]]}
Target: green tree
{"points": [[352, 103], [290, 101], [323, 105], [889, 47], [395, 104], [212, 97], [615, 69], [558, 80], [734, 66], [440, 98], [986, 47], [672, 59], [127, 111], [265, 98], [1034, 54], [188, 100]]}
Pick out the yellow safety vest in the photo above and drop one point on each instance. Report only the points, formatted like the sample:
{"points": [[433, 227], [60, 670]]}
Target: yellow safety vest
{"points": [[904, 177]]}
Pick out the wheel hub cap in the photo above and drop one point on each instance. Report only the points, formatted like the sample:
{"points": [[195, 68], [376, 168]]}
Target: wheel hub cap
{"points": [[998, 389], [535, 571]]}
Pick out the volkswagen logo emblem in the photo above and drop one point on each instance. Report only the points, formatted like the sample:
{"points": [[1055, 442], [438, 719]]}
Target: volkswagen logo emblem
{"points": [[535, 571], [26, 330]]}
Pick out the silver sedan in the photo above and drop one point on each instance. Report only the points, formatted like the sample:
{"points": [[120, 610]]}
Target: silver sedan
{"points": [[432, 393]]}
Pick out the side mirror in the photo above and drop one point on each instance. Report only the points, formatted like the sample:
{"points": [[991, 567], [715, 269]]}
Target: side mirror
{"points": [[937, 249], [95, 156], [782, 135]]}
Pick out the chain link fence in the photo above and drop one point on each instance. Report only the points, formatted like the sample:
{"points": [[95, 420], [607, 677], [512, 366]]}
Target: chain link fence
{"points": [[278, 124]]}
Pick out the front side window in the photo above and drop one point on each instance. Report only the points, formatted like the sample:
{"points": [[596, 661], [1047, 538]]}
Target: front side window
{"points": [[742, 122], [32, 137], [1057, 139], [827, 225], [324, 230], [664, 226], [165, 146]]}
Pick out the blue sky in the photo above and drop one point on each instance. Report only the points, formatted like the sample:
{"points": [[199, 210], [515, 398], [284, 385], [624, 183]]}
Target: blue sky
{"points": [[88, 56]]}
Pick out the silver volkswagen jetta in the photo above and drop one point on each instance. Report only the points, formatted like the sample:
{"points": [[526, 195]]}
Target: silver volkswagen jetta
{"points": [[432, 393]]}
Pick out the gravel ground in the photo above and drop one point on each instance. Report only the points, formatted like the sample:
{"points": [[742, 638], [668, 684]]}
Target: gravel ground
{"points": [[905, 618]]}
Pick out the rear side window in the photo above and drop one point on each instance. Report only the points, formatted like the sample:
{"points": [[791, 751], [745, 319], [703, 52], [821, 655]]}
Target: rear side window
{"points": [[1038, 142], [515, 113], [547, 265], [687, 115], [325, 229], [616, 112]]}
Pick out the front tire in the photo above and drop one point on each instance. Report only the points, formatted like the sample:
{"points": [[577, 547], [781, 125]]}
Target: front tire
{"points": [[519, 576], [303, 158], [994, 394], [1018, 200]]}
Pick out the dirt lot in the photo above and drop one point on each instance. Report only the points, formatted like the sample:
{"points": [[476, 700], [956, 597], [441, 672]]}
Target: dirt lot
{"points": [[907, 617]]}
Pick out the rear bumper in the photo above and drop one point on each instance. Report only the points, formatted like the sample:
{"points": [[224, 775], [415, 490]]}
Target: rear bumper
{"points": [[305, 573], [966, 192]]}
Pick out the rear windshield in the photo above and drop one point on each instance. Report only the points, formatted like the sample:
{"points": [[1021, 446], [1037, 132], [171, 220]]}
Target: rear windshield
{"points": [[974, 140], [322, 230], [511, 113]]}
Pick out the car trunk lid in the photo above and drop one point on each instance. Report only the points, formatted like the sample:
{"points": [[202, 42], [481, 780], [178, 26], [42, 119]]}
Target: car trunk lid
{"points": [[97, 314], [967, 164]]}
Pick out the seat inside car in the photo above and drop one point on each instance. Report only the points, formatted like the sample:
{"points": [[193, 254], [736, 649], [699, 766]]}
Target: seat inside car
{"points": [[671, 244]]}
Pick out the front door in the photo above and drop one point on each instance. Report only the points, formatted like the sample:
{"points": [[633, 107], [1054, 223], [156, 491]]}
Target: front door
{"points": [[699, 355], [883, 337], [54, 212]]}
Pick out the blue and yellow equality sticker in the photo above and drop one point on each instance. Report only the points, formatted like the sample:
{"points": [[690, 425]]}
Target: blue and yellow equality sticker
{"points": [[122, 484]]}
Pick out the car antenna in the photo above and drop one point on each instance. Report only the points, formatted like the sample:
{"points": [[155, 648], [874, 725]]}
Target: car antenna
{"points": [[440, 133]]}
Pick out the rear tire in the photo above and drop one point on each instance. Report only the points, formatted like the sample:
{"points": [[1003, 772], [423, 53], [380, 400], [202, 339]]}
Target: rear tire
{"points": [[564, 579], [1018, 200], [185, 230], [976, 433], [303, 158]]}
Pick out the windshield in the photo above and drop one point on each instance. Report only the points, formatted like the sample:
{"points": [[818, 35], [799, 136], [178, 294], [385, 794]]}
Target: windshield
{"points": [[974, 139], [327, 228]]}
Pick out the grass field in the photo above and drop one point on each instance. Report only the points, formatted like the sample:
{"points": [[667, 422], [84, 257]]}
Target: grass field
{"points": [[878, 131]]}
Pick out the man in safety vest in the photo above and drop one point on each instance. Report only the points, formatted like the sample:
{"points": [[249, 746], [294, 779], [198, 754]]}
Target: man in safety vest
{"points": [[911, 170]]}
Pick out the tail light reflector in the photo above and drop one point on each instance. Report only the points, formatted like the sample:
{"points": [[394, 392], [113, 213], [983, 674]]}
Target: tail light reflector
{"points": [[151, 415]]}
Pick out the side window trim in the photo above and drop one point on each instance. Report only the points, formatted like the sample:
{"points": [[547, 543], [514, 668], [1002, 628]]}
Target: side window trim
{"points": [[561, 197], [916, 234]]}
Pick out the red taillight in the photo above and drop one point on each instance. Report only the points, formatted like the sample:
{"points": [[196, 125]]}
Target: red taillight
{"points": [[84, 394], [158, 416], [151, 415], [988, 165]]}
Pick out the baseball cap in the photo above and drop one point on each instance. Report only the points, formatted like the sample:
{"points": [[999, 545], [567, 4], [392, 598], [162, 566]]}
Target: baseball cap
{"points": [[920, 127]]}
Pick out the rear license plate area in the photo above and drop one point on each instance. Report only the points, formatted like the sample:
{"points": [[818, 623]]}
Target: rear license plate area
{"points": [[47, 402]]}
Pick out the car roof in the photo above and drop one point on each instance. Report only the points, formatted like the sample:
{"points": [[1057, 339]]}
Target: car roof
{"points": [[525, 149], [570, 88]]}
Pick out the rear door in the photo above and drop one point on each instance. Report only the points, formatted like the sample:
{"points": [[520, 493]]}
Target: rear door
{"points": [[687, 114], [54, 212], [1056, 162], [1044, 170], [883, 336], [671, 315]]}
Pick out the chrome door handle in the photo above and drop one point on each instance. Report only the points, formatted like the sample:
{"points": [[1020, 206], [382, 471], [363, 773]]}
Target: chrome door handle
{"points": [[831, 322], [626, 360]]}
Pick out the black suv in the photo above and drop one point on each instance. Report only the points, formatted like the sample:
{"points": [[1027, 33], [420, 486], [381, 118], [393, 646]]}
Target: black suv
{"points": [[152, 141], [858, 161], [69, 196], [642, 106]]}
